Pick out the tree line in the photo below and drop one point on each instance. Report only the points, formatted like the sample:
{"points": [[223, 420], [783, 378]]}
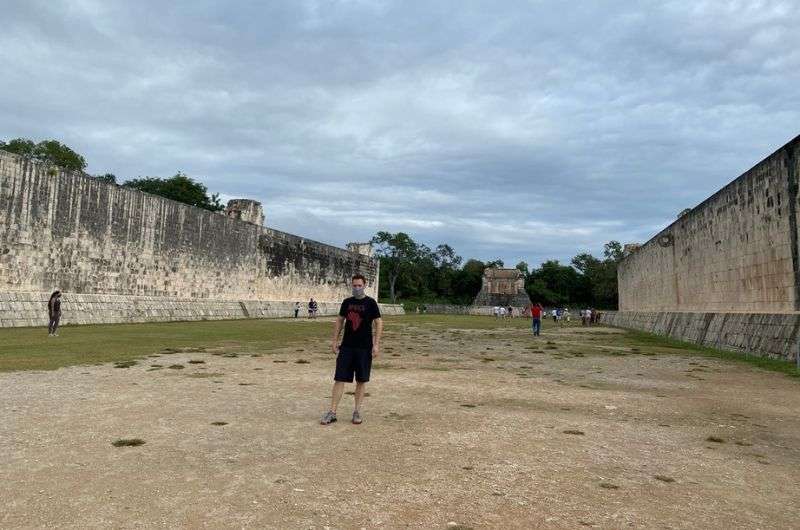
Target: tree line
{"points": [[179, 187], [414, 273], [410, 271]]}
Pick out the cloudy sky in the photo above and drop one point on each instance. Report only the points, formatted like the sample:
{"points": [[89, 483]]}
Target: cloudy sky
{"points": [[509, 129]]}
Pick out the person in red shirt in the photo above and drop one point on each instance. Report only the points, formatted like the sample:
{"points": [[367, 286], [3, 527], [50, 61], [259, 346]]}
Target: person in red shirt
{"points": [[536, 317]]}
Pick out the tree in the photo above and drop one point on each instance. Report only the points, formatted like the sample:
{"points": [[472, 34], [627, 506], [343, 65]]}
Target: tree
{"points": [[613, 251], [179, 188], [446, 257], [522, 266], [110, 178], [50, 152], [397, 253], [19, 146], [601, 275]]}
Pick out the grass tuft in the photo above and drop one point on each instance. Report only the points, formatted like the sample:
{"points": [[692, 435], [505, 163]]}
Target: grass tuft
{"points": [[124, 364], [128, 442]]}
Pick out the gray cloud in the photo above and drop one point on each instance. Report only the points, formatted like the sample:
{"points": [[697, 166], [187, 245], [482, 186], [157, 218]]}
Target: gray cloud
{"points": [[520, 130]]}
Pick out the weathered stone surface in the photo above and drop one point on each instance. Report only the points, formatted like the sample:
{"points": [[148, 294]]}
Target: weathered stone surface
{"points": [[502, 287], [246, 210], [30, 309], [88, 238], [449, 309], [736, 251], [769, 335]]}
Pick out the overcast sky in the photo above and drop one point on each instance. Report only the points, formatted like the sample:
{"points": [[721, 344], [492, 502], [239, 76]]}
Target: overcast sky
{"points": [[509, 129]]}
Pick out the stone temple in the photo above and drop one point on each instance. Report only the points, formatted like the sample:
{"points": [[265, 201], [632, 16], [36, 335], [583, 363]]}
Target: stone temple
{"points": [[502, 287]]}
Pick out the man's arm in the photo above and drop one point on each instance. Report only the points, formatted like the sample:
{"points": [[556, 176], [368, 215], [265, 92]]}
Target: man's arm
{"points": [[376, 338], [337, 328]]}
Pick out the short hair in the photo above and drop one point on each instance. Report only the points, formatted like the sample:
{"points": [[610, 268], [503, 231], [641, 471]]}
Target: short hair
{"points": [[359, 276]]}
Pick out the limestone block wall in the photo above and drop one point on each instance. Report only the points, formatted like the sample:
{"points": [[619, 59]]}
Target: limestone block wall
{"points": [[67, 231], [450, 309], [736, 251], [764, 334], [19, 309]]}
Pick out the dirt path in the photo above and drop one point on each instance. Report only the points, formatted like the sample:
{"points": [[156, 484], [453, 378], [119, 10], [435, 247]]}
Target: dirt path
{"points": [[477, 428]]}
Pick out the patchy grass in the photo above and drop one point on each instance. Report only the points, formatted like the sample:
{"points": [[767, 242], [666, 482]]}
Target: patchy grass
{"points": [[124, 364], [650, 344], [128, 442], [30, 349]]}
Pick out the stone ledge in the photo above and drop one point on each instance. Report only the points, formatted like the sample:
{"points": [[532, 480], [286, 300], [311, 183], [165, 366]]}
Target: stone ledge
{"points": [[30, 309], [772, 335]]}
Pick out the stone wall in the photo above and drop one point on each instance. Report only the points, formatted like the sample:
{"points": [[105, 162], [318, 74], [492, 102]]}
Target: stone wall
{"points": [[763, 334], [64, 230], [30, 309], [736, 251], [448, 309]]}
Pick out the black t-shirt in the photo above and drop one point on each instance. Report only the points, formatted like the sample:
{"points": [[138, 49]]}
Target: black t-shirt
{"points": [[358, 315]]}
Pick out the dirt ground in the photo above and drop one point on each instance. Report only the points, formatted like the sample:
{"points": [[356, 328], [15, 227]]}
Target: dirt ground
{"points": [[463, 428]]}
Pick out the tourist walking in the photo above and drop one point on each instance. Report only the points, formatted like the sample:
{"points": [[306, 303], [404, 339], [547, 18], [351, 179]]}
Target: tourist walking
{"points": [[536, 318], [554, 314], [358, 347], [296, 309], [54, 311]]}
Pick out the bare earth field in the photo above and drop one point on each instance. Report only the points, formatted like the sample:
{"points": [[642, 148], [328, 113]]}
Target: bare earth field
{"points": [[470, 423]]}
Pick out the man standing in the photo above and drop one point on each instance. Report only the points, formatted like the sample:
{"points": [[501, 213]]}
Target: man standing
{"points": [[536, 317], [359, 346]]}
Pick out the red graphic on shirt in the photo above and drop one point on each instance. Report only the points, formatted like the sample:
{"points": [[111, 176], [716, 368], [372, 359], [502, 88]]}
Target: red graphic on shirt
{"points": [[355, 319]]}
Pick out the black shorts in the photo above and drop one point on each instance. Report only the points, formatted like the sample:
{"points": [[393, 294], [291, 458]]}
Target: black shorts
{"points": [[353, 362]]}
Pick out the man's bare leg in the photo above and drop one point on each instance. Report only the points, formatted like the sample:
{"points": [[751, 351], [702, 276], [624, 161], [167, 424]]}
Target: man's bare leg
{"points": [[360, 389], [336, 394]]}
